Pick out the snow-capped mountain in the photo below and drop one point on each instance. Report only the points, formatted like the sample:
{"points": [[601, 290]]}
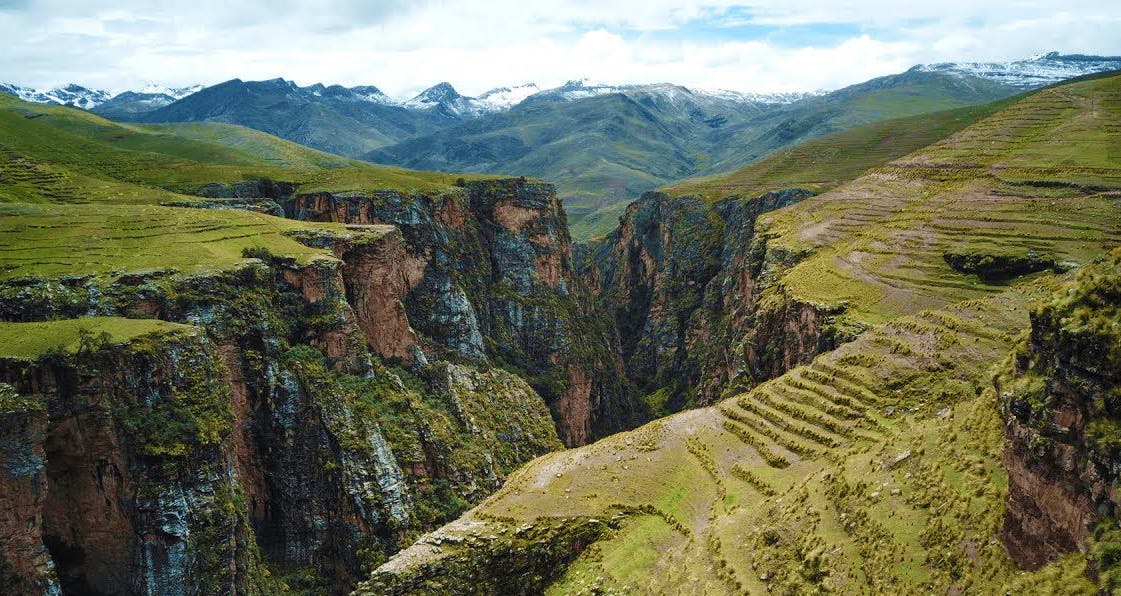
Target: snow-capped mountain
{"points": [[1033, 72], [502, 98], [580, 89], [175, 93], [445, 98], [70, 95], [759, 98], [440, 94], [371, 94], [151, 95]]}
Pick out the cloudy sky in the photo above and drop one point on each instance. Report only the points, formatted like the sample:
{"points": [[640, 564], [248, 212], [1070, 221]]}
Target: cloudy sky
{"points": [[403, 46]]}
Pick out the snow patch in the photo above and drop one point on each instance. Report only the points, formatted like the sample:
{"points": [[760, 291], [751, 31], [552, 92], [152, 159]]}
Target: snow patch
{"points": [[1033, 72]]}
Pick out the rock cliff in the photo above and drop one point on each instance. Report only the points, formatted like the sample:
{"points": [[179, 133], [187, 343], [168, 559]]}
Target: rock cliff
{"points": [[294, 439], [691, 287], [488, 278], [1059, 394]]}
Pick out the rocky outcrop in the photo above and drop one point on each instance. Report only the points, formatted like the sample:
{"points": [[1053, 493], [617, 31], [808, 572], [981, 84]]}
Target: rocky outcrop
{"points": [[26, 566], [1000, 267], [328, 457], [116, 467], [1059, 394], [690, 286], [489, 279], [487, 557]]}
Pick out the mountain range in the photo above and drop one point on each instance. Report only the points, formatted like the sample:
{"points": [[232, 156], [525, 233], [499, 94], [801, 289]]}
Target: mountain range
{"points": [[601, 144]]}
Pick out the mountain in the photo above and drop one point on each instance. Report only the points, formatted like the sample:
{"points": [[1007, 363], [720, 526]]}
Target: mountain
{"points": [[604, 145], [70, 95], [1037, 71], [331, 118], [121, 105], [584, 88], [444, 98], [129, 104]]}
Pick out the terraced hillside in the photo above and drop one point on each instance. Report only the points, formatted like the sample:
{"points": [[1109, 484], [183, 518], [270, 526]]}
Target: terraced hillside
{"points": [[1031, 188], [874, 468], [816, 165]]}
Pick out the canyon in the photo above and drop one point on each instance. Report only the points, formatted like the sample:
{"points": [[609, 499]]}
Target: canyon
{"points": [[270, 370]]}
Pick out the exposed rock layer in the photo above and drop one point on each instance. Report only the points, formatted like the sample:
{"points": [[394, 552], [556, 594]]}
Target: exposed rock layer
{"points": [[1059, 394], [320, 459], [690, 287], [490, 280]]}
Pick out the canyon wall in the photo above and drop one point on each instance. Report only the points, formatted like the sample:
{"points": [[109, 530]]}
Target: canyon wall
{"points": [[489, 280], [690, 286], [313, 430], [1060, 392]]}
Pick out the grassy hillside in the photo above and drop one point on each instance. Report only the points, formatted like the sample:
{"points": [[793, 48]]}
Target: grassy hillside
{"points": [[54, 240], [63, 155], [823, 163], [818, 164], [1034, 183], [876, 468], [28, 341]]}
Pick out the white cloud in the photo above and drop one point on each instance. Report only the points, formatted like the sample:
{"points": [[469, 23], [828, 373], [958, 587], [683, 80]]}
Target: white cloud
{"points": [[404, 46]]}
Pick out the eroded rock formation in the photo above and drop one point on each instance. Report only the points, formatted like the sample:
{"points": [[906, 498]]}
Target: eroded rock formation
{"points": [[690, 286], [329, 434], [490, 280], [1059, 393]]}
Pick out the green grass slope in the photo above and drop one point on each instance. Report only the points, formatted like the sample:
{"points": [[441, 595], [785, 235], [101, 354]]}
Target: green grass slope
{"points": [[62, 155], [876, 468], [29, 341], [1037, 180], [825, 162], [818, 164], [56, 240]]}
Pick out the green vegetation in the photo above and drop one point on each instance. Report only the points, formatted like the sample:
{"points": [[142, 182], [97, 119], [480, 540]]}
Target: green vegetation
{"points": [[62, 155], [826, 162], [603, 151], [882, 245], [54, 240], [29, 341], [916, 452]]}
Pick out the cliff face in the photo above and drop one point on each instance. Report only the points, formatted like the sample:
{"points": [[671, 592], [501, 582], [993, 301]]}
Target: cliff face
{"points": [[489, 279], [117, 475], [690, 287], [1059, 394], [308, 454]]}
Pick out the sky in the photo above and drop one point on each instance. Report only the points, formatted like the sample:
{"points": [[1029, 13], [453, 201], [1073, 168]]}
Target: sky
{"points": [[404, 46]]}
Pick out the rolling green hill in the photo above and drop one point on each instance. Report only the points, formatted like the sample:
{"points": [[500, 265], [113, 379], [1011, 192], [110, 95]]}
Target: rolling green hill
{"points": [[52, 153]]}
